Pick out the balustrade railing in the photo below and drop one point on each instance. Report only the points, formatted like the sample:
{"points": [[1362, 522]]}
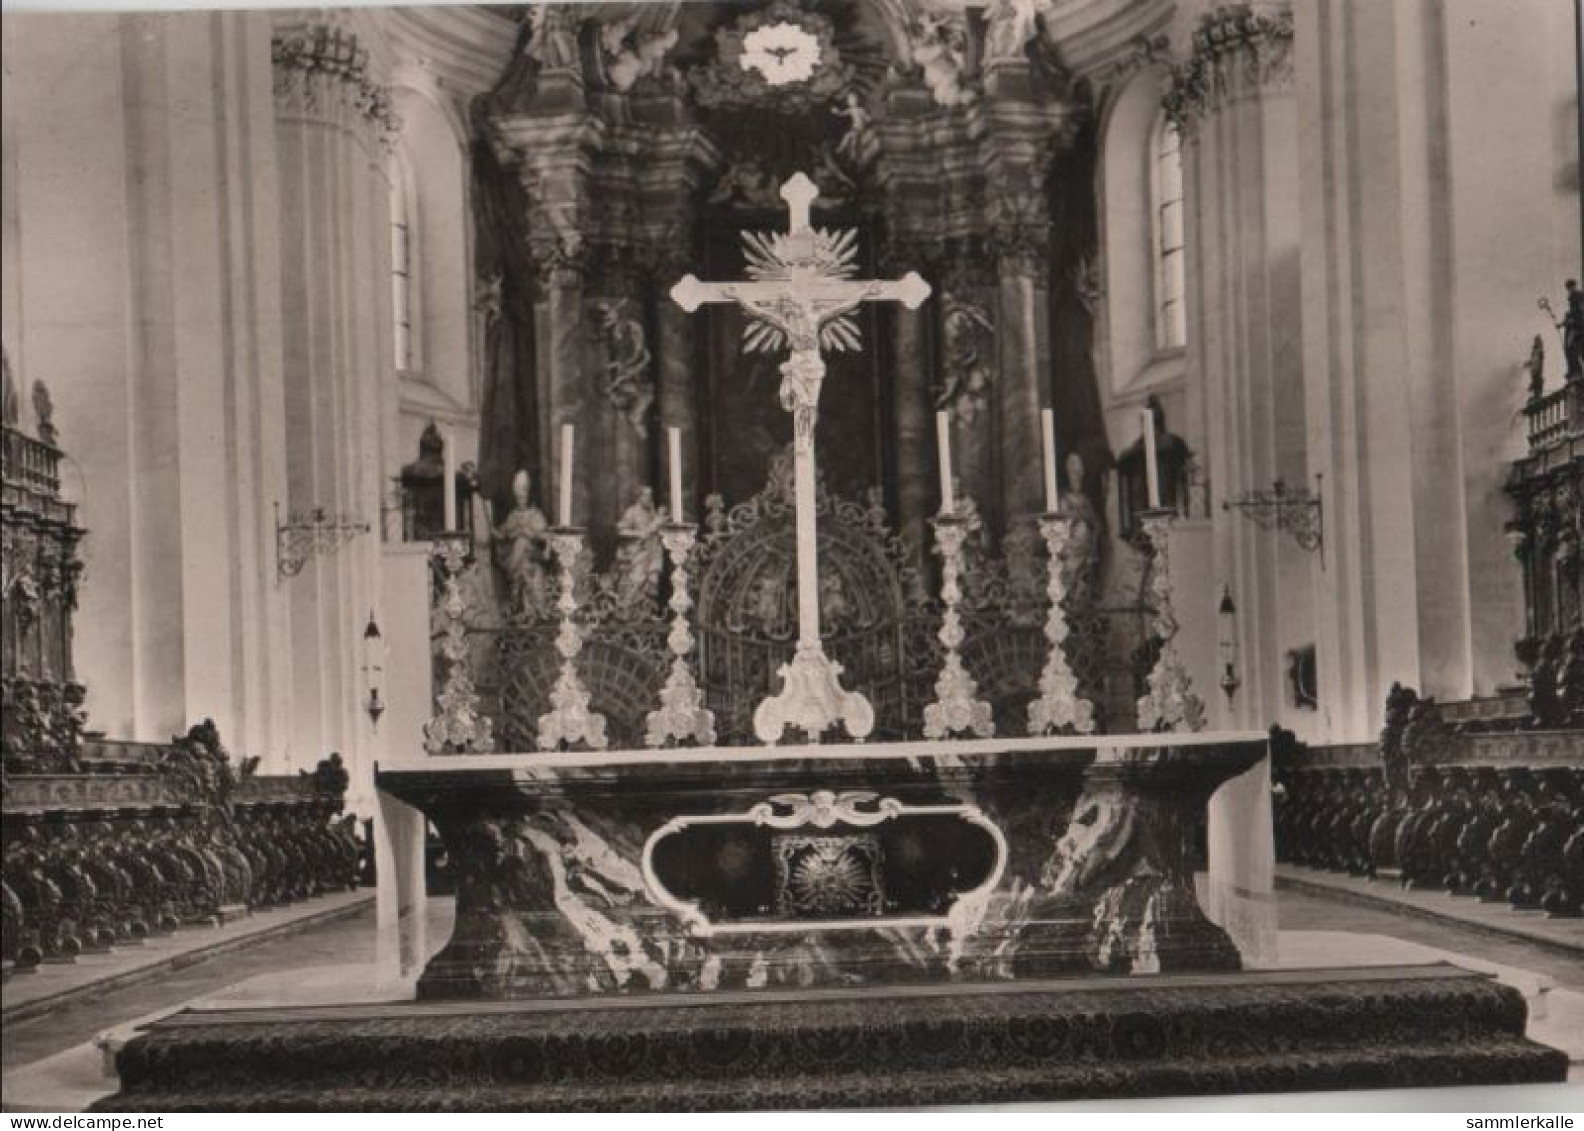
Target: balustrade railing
{"points": [[30, 463], [1555, 416]]}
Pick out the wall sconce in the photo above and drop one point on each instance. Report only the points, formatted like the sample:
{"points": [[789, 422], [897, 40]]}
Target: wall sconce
{"points": [[303, 537], [373, 670], [1227, 644], [1295, 512]]}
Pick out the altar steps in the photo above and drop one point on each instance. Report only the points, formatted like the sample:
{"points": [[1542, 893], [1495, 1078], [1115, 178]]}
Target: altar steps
{"points": [[1277, 1031]]}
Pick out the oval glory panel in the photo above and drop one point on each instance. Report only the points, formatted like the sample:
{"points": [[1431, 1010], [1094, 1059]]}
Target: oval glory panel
{"points": [[823, 861]]}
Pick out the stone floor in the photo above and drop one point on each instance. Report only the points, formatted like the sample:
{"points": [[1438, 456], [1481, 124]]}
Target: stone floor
{"points": [[1318, 930], [1497, 920], [50, 988]]}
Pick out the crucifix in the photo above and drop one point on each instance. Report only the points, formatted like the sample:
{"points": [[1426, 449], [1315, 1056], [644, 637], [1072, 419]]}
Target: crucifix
{"points": [[800, 296]]}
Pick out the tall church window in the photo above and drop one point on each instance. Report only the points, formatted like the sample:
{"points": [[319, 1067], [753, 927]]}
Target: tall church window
{"points": [[401, 273], [1171, 314]]}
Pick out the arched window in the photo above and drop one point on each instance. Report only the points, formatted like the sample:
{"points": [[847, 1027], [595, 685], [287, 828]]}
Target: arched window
{"points": [[1166, 192], [401, 261]]}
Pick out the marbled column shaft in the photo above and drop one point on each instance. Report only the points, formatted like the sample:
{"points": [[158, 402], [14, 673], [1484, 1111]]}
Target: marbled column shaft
{"points": [[1023, 339], [916, 490]]}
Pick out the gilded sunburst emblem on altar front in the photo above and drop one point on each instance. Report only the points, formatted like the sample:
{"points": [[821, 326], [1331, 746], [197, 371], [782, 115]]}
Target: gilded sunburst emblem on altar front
{"points": [[782, 53], [830, 879]]}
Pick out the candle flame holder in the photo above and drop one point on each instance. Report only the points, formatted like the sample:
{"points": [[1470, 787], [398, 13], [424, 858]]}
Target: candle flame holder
{"points": [[957, 708], [681, 716], [1170, 704], [570, 720], [458, 726], [1059, 707]]}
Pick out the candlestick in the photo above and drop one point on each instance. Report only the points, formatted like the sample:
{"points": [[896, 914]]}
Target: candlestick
{"points": [[1048, 432], [569, 720], [1059, 705], [457, 726], [943, 448], [564, 515], [957, 708], [1151, 471], [1170, 703], [681, 715], [674, 437], [448, 483]]}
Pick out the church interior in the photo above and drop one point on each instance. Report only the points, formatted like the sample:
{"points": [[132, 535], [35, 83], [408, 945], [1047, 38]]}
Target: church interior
{"points": [[519, 520]]}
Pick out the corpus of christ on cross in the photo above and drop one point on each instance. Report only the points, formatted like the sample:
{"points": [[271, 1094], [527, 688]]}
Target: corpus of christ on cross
{"points": [[800, 296]]}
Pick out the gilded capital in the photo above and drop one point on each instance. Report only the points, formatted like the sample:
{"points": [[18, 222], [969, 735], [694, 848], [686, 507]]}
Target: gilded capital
{"points": [[1236, 51], [320, 70]]}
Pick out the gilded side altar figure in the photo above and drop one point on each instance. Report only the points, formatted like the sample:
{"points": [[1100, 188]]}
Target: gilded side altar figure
{"points": [[640, 557], [520, 547]]}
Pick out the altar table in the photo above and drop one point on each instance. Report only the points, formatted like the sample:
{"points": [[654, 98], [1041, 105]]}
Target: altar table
{"points": [[715, 869]]}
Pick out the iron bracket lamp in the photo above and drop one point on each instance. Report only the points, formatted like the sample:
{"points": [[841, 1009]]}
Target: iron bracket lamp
{"points": [[1300, 513], [303, 537]]}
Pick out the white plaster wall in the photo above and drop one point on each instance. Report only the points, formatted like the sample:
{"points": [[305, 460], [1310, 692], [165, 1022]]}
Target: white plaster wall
{"points": [[1437, 203]]}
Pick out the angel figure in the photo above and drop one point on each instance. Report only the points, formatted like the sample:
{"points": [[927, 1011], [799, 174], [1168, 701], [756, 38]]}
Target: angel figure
{"points": [[857, 125], [629, 57], [967, 375], [938, 50], [627, 357]]}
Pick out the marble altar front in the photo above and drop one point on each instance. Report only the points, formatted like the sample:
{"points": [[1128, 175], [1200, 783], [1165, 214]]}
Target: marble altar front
{"points": [[812, 866]]}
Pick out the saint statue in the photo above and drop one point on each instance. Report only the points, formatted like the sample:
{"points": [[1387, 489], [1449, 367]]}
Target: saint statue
{"points": [[520, 542], [1082, 568], [640, 556], [1009, 25]]}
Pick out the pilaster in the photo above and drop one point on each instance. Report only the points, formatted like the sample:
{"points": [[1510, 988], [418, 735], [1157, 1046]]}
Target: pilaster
{"points": [[333, 119]]}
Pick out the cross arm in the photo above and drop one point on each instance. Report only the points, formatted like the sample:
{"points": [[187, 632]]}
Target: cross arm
{"points": [[911, 290]]}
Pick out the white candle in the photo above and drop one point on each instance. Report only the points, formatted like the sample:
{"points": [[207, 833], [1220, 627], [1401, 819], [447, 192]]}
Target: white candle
{"points": [[943, 447], [1048, 432], [566, 475], [674, 436], [1147, 421], [448, 481]]}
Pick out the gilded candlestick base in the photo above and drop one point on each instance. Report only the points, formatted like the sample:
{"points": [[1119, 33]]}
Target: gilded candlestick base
{"points": [[1170, 703], [570, 720], [1059, 707], [457, 726], [812, 700], [681, 716], [957, 708]]}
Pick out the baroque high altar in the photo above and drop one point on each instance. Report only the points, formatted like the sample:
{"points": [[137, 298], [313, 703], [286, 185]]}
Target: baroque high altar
{"points": [[666, 903], [628, 150]]}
